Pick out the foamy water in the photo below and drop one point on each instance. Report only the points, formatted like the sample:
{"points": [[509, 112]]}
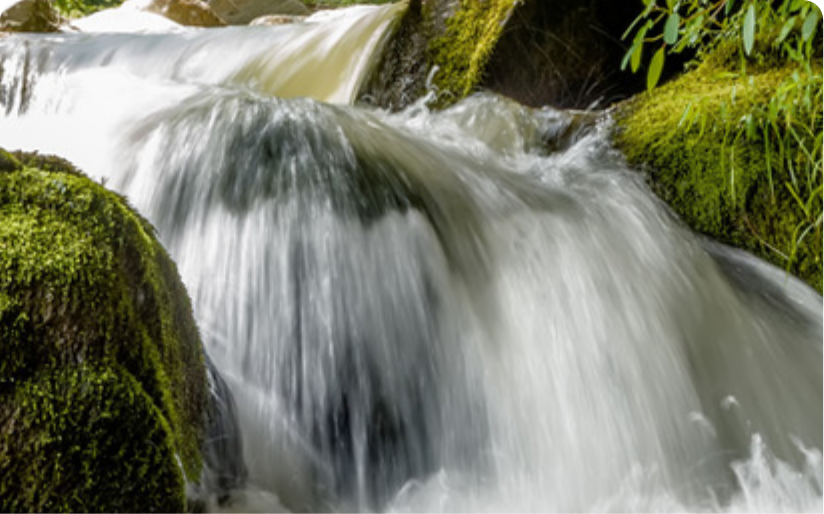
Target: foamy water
{"points": [[430, 311]]}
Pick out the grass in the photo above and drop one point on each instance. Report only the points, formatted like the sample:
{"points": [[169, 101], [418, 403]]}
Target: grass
{"points": [[737, 153]]}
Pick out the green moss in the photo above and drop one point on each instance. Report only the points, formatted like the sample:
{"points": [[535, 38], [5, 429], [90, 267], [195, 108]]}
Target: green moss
{"points": [[7, 161], [464, 49], [717, 149], [87, 291], [80, 8], [58, 453]]}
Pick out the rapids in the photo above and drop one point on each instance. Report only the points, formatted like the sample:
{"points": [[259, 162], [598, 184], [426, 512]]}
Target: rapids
{"points": [[432, 311]]}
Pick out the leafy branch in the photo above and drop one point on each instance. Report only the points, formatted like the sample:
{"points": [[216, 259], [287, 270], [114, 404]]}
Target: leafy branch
{"points": [[671, 27]]}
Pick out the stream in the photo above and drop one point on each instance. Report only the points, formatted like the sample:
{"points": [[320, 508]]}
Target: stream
{"points": [[478, 309]]}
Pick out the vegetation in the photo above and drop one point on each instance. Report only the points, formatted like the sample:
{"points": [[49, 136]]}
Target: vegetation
{"points": [[464, 49], [735, 144], [80, 8], [102, 380], [673, 27]]}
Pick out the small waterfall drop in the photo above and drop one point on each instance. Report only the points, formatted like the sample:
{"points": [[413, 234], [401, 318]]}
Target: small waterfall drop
{"points": [[429, 311]]}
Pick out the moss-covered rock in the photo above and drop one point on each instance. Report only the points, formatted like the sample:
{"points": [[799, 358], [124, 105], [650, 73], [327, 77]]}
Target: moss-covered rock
{"points": [[80, 8], [721, 154], [102, 379], [30, 16], [399, 78], [464, 49], [440, 43], [565, 53]]}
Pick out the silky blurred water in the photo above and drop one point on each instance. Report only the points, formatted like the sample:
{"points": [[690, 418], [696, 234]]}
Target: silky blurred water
{"points": [[434, 311]]}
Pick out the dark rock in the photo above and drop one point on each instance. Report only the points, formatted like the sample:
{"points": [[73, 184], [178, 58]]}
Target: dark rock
{"points": [[562, 53]]}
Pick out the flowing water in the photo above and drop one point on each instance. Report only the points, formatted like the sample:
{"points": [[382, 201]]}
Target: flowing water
{"points": [[433, 311]]}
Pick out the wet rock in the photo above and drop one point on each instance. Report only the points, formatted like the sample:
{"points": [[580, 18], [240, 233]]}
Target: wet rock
{"points": [[241, 12], [30, 16], [192, 13], [400, 77], [276, 19]]}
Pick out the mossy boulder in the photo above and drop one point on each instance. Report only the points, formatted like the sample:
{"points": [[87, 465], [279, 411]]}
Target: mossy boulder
{"points": [[565, 53], [79, 8], [30, 16], [729, 161], [103, 386]]}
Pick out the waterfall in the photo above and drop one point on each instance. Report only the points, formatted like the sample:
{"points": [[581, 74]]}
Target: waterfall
{"points": [[429, 311]]}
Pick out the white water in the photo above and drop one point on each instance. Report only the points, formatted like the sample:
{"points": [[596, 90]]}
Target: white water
{"points": [[426, 312]]}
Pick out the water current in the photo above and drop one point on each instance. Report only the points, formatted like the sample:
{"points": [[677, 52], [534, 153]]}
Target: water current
{"points": [[433, 311]]}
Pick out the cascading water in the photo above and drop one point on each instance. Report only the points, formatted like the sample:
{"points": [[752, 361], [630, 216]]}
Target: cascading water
{"points": [[426, 311]]}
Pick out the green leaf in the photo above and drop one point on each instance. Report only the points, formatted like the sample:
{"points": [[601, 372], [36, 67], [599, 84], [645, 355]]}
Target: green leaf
{"points": [[638, 47], [810, 24], [634, 49], [625, 60], [671, 29], [749, 29], [655, 68], [686, 116], [637, 50], [728, 7], [632, 26], [785, 30]]}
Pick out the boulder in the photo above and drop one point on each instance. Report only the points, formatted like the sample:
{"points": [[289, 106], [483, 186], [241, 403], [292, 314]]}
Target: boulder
{"points": [[563, 53], [719, 174], [241, 12], [30, 16], [192, 13], [103, 387]]}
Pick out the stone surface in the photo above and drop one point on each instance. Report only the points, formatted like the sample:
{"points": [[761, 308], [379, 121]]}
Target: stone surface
{"points": [[30, 16], [276, 19], [562, 53], [241, 12], [192, 13], [103, 387]]}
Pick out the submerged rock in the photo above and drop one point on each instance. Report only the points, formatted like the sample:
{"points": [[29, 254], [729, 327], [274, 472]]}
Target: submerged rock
{"points": [[30, 16], [103, 387], [241, 12], [276, 19]]}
